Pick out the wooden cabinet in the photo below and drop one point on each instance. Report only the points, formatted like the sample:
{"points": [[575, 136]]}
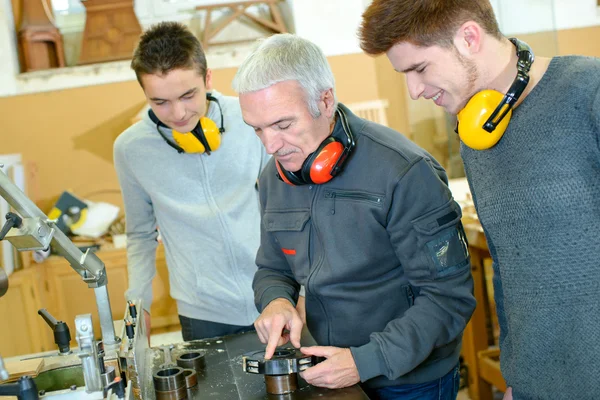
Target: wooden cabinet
{"points": [[22, 330], [71, 296], [54, 285]]}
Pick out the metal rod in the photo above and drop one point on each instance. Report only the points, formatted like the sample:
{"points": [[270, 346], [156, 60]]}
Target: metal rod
{"points": [[92, 270], [105, 314], [88, 265]]}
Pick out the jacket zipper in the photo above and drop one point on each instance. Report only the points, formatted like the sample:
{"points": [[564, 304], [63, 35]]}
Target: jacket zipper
{"points": [[317, 263], [411, 296]]}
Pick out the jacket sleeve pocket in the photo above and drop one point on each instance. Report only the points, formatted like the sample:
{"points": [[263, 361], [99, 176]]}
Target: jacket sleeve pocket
{"points": [[442, 237]]}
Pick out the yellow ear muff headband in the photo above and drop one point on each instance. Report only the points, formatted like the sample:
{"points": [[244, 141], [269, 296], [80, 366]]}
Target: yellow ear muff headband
{"points": [[484, 119], [204, 138]]}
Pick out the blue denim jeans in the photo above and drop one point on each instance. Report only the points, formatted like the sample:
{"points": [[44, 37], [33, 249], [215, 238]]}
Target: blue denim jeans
{"points": [[444, 388], [194, 329]]}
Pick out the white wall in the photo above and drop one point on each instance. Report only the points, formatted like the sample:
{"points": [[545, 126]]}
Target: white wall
{"points": [[332, 24], [333, 28]]}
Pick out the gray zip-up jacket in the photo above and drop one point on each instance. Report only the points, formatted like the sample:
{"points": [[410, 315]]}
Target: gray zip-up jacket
{"points": [[206, 208], [382, 254]]}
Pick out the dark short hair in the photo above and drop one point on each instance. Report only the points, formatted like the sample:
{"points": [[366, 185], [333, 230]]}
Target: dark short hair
{"points": [[167, 46], [421, 22]]}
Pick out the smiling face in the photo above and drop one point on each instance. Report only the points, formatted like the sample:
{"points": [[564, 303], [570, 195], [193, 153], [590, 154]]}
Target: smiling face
{"points": [[436, 73], [281, 119], [178, 98]]}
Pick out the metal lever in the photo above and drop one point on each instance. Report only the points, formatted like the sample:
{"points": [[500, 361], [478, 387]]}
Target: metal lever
{"points": [[12, 221], [24, 389], [62, 336]]}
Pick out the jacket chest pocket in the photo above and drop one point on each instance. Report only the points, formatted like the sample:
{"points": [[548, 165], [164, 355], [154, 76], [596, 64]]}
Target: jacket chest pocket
{"points": [[291, 232], [342, 199]]}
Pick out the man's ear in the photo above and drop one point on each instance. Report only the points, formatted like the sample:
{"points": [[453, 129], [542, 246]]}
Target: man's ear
{"points": [[468, 38], [208, 80], [328, 100]]}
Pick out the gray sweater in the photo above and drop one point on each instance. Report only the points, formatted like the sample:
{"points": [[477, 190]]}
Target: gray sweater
{"points": [[381, 252], [537, 193], [206, 208]]}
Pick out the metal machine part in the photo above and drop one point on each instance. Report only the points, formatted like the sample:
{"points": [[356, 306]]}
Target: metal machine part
{"points": [[23, 389], [31, 230], [192, 360], [167, 357], [88, 352], [281, 384], [281, 371], [133, 355], [62, 335], [107, 377], [284, 361], [170, 384], [191, 377], [3, 282]]}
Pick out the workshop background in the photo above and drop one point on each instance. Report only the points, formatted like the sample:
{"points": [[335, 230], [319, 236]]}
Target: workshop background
{"points": [[66, 97]]}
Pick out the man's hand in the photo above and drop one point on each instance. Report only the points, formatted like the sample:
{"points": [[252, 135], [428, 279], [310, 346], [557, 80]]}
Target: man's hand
{"points": [[278, 315], [508, 394], [338, 371]]}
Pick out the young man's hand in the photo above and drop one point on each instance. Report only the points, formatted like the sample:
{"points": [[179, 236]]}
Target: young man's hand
{"points": [[278, 324]]}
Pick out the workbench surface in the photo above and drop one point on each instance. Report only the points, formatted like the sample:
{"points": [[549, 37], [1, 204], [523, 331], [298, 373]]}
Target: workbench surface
{"points": [[224, 379]]}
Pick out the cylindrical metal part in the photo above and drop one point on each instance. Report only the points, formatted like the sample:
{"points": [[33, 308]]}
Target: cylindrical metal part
{"points": [[191, 377], [108, 376], [193, 360], [179, 394], [281, 384], [169, 379]]}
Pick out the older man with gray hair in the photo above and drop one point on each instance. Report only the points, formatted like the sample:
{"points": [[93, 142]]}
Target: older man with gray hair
{"points": [[364, 220]]}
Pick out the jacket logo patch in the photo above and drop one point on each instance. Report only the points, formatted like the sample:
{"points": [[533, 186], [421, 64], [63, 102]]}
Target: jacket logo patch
{"points": [[289, 252]]}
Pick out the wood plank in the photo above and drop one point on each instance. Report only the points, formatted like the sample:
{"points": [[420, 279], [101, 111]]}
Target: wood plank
{"points": [[489, 368], [17, 369]]}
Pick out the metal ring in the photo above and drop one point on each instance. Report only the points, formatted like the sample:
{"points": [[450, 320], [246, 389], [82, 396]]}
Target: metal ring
{"points": [[191, 377], [192, 360], [169, 379]]}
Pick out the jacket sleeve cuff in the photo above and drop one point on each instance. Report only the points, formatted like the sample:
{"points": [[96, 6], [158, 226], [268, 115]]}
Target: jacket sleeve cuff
{"points": [[275, 293], [369, 361]]}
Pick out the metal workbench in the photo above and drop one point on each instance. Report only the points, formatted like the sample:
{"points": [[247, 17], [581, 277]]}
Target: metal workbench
{"points": [[224, 379]]}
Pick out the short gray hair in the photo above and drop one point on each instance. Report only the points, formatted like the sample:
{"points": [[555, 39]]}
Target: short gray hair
{"points": [[285, 57]]}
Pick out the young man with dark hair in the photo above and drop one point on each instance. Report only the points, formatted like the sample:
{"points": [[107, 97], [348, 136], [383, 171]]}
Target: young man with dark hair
{"points": [[529, 128], [188, 169]]}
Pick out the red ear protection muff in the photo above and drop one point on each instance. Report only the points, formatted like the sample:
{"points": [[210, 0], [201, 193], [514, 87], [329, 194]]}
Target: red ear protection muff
{"points": [[484, 119], [327, 161], [205, 137]]}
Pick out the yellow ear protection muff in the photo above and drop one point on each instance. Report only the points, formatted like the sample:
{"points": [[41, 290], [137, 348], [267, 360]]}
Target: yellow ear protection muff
{"points": [[205, 137], [484, 119], [325, 162]]}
